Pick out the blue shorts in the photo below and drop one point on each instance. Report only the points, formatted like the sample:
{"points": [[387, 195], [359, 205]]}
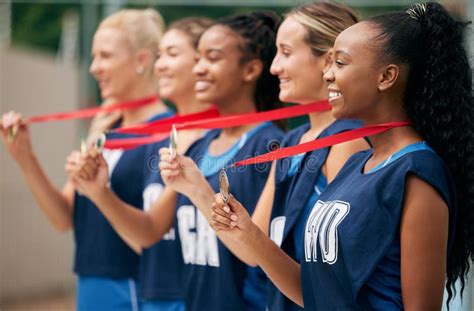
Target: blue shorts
{"points": [[162, 305], [100, 293]]}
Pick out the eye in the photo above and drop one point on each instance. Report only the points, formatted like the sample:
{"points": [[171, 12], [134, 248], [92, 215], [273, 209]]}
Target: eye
{"points": [[339, 63], [197, 57]]}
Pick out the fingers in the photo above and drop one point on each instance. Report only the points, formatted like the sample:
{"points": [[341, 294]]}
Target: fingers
{"points": [[222, 217]]}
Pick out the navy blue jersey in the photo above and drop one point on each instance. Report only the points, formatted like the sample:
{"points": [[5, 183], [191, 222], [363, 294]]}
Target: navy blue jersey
{"points": [[295, 179], [161, 265], [352, 236], [215, 278], [99, 249]]}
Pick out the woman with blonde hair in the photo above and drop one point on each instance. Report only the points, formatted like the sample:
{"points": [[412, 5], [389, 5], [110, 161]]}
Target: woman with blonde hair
{"points": [[124, 49]]}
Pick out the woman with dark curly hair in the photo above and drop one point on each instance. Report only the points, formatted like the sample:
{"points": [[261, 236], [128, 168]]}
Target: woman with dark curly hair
{"points": [[398, 218]]}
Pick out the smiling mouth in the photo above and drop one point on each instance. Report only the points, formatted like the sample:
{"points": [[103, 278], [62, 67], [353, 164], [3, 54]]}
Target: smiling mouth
{"points": [[284, 81], [334, 94], [200, 86]]}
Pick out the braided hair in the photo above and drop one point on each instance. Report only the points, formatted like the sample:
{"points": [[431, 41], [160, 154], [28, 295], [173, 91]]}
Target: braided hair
{"points": [[438, 100], [258, 31]]}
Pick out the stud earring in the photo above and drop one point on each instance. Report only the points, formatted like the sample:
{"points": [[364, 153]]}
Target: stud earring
{"points": [[140, 70]]}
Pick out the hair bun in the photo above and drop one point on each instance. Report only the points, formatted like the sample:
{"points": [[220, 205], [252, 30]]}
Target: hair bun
{"points": [[268, 18]]}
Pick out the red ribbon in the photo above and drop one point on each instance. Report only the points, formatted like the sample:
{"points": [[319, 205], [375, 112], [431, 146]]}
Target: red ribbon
{"points": [[321, 143], [129, 143], [90, 112], [164, 126]]}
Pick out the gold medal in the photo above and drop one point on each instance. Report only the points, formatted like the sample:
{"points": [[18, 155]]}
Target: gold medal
{"points": [[12, 131], [224, 186], [173, 142], [83, 147]]}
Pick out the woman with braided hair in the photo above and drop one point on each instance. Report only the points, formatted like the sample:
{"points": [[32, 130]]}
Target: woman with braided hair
{"points": [[398, 219]]}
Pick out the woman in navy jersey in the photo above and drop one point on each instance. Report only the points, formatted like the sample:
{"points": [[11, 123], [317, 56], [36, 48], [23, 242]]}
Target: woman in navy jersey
{"points": [[241, 47], [398, 218], [304, 51], [123, 50], [160, 275]]}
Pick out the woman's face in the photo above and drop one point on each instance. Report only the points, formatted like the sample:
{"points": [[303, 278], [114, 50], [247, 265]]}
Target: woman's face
{"points": [[174, 65], [218, 72], [299, 70], [354, 75], [113, 63]]}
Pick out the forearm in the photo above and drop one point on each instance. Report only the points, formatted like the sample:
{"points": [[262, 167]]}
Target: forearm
{"points": [[203, 198], [128, 221], [54, 203]]}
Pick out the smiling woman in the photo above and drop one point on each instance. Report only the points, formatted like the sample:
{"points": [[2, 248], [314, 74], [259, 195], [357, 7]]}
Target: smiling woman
{"points": [[106, 265]]}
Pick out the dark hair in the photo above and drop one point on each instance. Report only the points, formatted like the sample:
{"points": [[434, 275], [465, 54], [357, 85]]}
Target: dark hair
{"points": [[258, 31], [193, 27], [438, 100]]}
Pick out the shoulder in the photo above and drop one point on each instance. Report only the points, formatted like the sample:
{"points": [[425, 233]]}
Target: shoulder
{"points": [[293, 136], [342, 125], [266, 139], [200, 145]]}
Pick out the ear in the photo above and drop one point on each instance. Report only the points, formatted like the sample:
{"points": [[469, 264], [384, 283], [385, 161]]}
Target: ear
{"points": [[328, 59], [144, 59], [388, 77], [252, 70]]}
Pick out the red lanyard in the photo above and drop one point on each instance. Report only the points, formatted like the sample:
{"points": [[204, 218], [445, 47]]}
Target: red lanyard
{"points": [[164, 126], [321, 143], [90, 112]]}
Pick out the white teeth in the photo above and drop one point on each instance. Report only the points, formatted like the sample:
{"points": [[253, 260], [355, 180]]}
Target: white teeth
{"points": [[201, 85], [334, 94]]}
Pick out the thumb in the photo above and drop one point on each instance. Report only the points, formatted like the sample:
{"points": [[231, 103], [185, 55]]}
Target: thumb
{"points": [[101, 159], [235, 205]]}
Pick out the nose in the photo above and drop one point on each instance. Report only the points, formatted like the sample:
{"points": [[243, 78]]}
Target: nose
{"points": [[275, 68], [94, 67], [329, 75], [199, 68], [160, 64]]}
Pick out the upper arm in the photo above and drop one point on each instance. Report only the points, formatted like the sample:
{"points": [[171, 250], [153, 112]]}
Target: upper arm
{"points": [[340, 153], [262, 213], [424, 238]]}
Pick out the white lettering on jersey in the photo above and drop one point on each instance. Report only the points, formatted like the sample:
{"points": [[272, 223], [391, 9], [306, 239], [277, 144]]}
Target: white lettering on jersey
{"points": [[198, 247], [277, 226], [112, 156], [321, 229], [151, 193]]}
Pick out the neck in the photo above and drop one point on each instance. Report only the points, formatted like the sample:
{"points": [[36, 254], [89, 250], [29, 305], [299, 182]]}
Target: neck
{"points": [[188, 104], [394, 139], [319, 121], [236, 106]]}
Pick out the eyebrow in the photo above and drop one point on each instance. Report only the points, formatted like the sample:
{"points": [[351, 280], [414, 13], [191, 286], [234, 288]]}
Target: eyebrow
{"points": [[284, 45], [342, 52], [214, 50]]}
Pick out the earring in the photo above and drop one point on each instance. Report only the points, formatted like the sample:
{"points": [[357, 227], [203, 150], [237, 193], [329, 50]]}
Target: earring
{"points": [[140, 70]]}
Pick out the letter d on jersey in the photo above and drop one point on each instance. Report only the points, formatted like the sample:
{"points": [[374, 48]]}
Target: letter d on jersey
{"points": [[321, 229]]}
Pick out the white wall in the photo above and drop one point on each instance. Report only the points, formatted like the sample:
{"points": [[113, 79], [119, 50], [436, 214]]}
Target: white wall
{"points": [[35, 259]]}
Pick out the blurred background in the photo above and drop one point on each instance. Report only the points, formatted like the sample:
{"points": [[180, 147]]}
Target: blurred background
{"points": [[44, 59]]}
